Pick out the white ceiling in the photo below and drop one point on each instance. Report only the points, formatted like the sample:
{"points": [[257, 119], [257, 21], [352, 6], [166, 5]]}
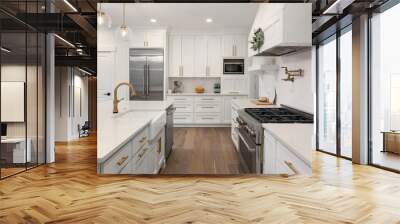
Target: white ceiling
{"points": [[190, 16]]}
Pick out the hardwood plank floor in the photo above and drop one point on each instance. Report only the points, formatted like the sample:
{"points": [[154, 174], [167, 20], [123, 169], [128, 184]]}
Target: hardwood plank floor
{"points": [[202, 151], [70, 191]]}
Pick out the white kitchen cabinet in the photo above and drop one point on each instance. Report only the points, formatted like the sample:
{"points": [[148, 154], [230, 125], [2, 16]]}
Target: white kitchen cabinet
{"points": [[241, 45], [155, 38], [187, 55], [227, 110], [148, 38], [279, 159], [128, 159], [234, 45], [119, 160], [234, 84], [200, 56], [202, 110], [214, 55], [174, 56], [181, 54]]}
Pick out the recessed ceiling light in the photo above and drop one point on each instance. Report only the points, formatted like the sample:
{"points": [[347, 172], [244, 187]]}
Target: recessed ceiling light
{"points": [[153, 20], [209, 20]]}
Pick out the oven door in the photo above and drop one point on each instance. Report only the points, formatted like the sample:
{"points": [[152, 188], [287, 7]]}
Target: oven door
{"points": [[249, 153]]}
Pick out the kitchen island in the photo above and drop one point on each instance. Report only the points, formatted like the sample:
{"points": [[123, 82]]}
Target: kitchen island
{"points": [[125, 139]]}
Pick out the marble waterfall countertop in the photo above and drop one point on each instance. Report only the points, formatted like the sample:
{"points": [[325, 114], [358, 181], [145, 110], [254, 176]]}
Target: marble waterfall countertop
{"points": [[115, 130], [298, 138]]}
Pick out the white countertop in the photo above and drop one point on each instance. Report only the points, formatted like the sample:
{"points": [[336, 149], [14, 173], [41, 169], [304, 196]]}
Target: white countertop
{"points": [[114, 130], [247, 103], [207, 94], [296, 137]]}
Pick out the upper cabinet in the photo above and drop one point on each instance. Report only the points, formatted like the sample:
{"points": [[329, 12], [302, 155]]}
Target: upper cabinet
{"points": [[195, 55], [148, 38], [234, 45], [214, 56], [181, 55], [287, 28]]}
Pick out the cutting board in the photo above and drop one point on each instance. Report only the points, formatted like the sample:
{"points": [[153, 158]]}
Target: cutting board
{"points": [[257, 102]]}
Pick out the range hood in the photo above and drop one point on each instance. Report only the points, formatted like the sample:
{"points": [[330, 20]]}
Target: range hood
{"points": [[282, 50], [287, 29]]}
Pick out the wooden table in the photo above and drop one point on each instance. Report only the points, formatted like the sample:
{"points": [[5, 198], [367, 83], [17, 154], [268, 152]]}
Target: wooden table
{"points": [[391, 141]]}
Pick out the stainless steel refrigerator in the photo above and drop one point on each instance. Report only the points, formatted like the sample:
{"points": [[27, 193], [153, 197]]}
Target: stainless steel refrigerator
{"points": [[146, 73]]}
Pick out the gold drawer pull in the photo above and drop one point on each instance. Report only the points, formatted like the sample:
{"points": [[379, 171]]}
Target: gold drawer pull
{"points": [[143, 152], [290, 165], [143, 139], [122, 160]]}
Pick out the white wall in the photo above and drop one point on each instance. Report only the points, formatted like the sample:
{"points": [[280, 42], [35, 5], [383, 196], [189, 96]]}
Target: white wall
{"points": [[298, 94], [67, 83]]}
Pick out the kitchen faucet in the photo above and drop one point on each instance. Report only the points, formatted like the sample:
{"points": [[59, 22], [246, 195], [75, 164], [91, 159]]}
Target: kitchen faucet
{"points": [[292, 73], [116, 100]]}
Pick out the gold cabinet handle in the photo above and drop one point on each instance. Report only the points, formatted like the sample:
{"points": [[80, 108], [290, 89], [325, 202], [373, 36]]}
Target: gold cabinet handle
{"points": [[122, 160], [143, 152], [143, 139], [290, 165]]}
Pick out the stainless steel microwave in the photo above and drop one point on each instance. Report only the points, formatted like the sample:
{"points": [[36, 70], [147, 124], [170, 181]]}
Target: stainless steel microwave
{"points": [[233, 66]]}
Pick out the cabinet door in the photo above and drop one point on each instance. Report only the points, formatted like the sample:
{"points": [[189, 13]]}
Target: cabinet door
{"points": [[214, 55], [138, 38], [200, 56], [174, 55], [187, 56], [227, 109], [240, 85], [227, 45], [240, 45], [155, 38], [227, 85], [270, 156]]}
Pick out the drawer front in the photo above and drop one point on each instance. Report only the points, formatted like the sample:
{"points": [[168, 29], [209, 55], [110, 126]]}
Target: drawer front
{"points": [[119, 160], [183, 107], [208, 99], [207, 108], [181, 99], [207, 118], [286, 160], [141, 139], [183, 118]]}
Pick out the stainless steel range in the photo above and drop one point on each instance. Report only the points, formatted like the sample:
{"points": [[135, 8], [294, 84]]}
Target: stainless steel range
{"points": [[251, 133]]}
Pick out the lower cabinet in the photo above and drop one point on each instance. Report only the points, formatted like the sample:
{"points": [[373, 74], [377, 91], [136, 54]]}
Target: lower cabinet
{"points": [[137, 156], [203, 110], [278, 159]]}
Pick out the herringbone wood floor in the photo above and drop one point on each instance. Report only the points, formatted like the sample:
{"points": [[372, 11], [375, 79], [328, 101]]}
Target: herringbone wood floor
{"points": [[70, 191]]}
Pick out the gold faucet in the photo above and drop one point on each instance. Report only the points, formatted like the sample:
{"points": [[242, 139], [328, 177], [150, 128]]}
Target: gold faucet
{"points": [[116, 100], [292, 73]]}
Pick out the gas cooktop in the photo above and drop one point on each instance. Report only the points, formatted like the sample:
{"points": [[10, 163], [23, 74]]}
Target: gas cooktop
{"points": [[279, 115]]}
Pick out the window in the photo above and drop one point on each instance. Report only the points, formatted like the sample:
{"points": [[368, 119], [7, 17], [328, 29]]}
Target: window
{"points": [[327, 96], [385, 89]]}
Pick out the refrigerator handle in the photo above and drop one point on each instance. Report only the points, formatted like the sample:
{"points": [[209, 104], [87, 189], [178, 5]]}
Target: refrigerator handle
{"points": [[148, 80], [144, 79]]}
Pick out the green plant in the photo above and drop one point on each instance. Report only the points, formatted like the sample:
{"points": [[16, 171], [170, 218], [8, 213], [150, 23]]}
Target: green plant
{"points": [[257, 40]]}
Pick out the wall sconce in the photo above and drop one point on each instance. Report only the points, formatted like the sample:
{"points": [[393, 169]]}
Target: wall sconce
{"points": [[292, 73]]}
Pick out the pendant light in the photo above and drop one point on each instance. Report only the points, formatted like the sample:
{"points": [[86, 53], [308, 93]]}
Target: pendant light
{"points": [[123, 28], [100, 16], [103, 18]]}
